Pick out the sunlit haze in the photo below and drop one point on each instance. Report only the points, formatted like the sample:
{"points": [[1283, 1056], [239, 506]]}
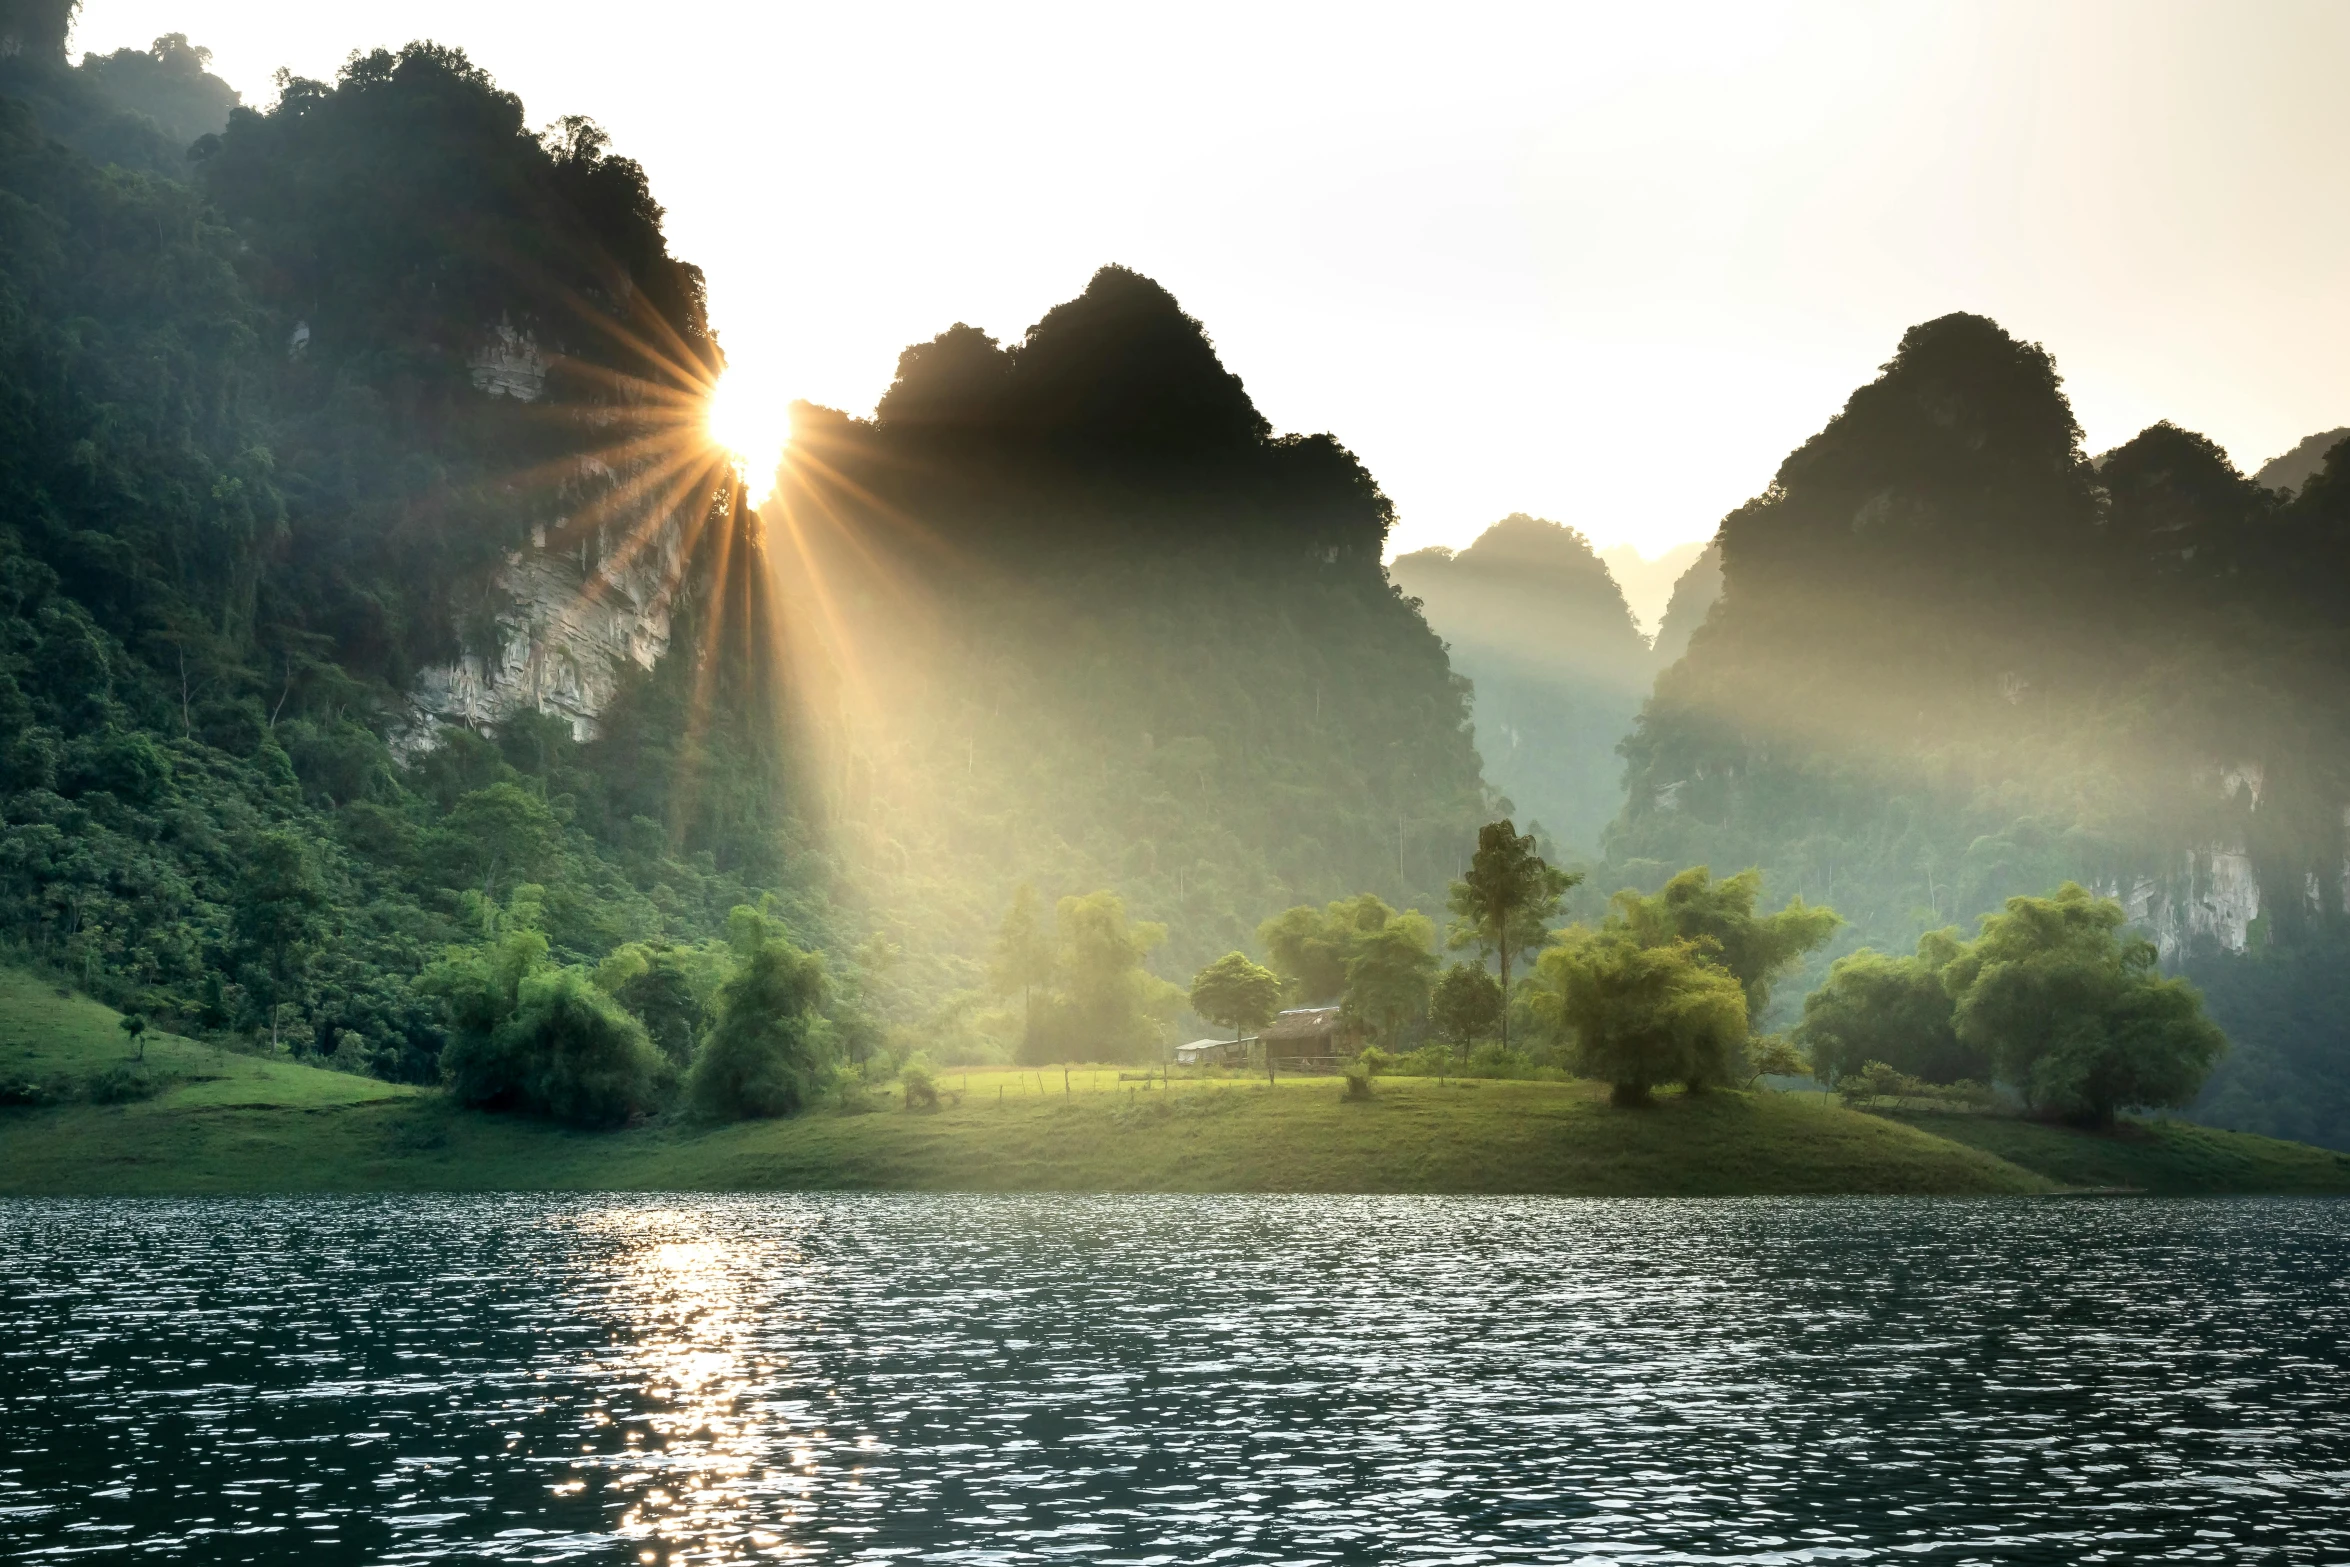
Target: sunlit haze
{"points": [[1602, 264], [750, 415]]}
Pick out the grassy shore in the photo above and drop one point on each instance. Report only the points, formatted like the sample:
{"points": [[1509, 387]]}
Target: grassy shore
{"points": [[218, 1121]]}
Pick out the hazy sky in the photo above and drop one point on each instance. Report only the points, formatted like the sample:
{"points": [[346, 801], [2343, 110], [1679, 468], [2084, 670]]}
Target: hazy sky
{"points": [[1606, 264]]}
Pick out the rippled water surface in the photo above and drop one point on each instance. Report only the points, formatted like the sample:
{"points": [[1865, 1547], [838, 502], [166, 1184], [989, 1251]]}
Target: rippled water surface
{"points": [[1172, 1379]]}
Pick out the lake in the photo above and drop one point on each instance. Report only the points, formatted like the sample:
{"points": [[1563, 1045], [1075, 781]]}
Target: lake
{"points": [[1174, 1379]]}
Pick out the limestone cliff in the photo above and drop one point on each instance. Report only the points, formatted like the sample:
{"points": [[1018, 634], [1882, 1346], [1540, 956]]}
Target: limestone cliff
{"points": [[579, 609]]}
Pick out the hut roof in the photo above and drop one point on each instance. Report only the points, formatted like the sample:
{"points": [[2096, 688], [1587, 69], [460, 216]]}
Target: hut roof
{"points": [[1302, 1023]]}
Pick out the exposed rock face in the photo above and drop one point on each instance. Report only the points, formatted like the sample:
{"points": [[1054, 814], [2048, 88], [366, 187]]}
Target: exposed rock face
{"points": [[2216, 897], [508, 364], [578, 612], [575, 618]]}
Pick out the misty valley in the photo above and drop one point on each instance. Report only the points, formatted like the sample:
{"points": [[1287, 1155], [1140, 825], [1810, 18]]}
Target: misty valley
{"points": [[641, 977]]}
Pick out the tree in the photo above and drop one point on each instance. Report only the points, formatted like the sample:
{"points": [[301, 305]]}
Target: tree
{"points": [[1389, 973], [1466, 1005], [1641, 1013], [1236, 993], [1309, 947], [1106, 1004], [768, 1052], [567, 1051], [2077, 1016], [656, 983], [505, 829], [1873, 1007], [135, 1025], [1023, 958], [280, 908], [1720, 917], [1505, 902]]}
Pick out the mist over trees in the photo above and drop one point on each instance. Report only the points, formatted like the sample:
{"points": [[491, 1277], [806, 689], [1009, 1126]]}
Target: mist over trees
{"points": [[1558, 664], [1953, 661], [1092, 624]]}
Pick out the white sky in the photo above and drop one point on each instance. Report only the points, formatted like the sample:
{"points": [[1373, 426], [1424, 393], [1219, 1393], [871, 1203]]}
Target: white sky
{"points": [[1606, 264]]}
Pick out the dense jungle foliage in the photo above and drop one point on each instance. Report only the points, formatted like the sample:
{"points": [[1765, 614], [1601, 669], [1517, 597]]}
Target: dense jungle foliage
{"points": [[1955, 661], [249, 485]]}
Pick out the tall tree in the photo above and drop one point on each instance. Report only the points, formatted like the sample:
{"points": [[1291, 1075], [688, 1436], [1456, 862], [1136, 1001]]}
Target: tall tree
{"points": [[1390, 972], [1105, 1001], [280, 910], [1720, 917], [1023, 956], [1505, 902]]}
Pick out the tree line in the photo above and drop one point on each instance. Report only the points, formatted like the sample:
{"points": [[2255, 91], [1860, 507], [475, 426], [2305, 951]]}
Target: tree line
{"points": [[2051, 998]]}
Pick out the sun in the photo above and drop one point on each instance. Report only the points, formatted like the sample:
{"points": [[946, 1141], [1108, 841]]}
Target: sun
{"points": [[750, 416]]}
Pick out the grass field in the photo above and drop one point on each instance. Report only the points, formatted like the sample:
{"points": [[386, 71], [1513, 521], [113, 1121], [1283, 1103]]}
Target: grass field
{"points": [[2175, 1158], [218, 1121]]}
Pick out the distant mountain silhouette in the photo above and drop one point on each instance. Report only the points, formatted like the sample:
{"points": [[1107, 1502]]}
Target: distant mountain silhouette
{"points": [[1538, 624], [2298, 466]]}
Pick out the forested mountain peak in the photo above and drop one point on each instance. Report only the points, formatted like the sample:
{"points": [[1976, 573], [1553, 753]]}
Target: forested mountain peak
{"points": [[1111, 424], [1123, 365], [1119, 371], [170, 83], [1091, 624], [407, 209], [2298, 466], [1535, 620], [1526, 586], [257, 478], [2176, 504], [1961, 461], [136, 108], [1954, 662]]}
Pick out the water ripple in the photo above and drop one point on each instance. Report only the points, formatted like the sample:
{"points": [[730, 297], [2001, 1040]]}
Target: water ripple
{"points": [[1012, 1380]]}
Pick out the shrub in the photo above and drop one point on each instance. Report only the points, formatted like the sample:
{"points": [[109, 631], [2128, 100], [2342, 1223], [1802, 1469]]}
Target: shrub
{"points": [[1491, 1060], [119, 1085], [568, 1051], [921, 1088], [1427, 1061], [1875, 1080], [1374, 1061], [1358, 1081], [769, 1052]]}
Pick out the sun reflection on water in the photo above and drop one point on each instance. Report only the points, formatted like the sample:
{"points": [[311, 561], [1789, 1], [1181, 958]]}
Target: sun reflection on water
{"points": [[711, 1471]]}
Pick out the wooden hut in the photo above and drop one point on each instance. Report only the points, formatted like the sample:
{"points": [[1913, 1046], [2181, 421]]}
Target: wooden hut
{"points": [[1309, 1037]]}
